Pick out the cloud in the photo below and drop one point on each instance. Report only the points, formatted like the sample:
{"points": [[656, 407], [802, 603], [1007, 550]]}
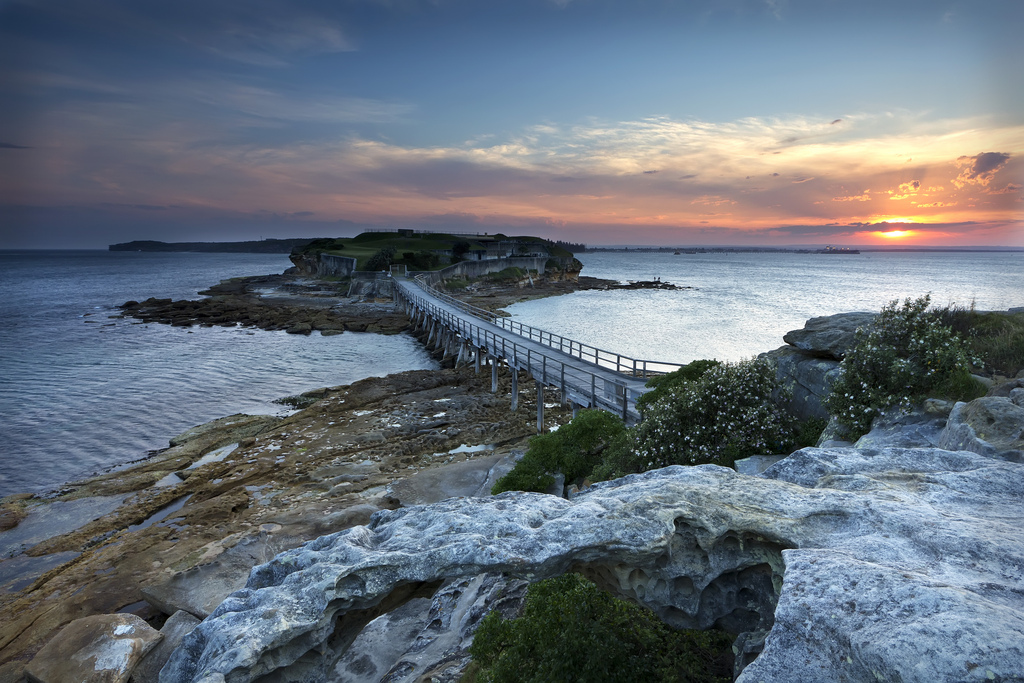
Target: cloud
{"points": [[979, 169], [905, 190], [863, 197], [11, 145], [1011, 188], [936, 205], [835, 122]]}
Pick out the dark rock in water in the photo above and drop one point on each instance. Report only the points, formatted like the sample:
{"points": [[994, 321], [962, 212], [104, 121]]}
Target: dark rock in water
{"points": [[860, 564], [828, 336]]}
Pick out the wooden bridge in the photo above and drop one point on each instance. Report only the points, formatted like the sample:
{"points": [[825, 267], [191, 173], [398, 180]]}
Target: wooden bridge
{"points": [[585, 375]]}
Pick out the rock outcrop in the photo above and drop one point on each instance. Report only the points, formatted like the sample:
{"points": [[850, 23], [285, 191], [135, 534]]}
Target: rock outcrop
{"points": [[829, 336], [991, 425], [103, 648], [859, 564], [809, 365]]}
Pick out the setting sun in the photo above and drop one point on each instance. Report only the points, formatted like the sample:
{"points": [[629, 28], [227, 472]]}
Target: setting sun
{"points": [[896, 234]]}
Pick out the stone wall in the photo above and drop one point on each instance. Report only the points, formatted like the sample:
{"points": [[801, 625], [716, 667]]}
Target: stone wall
{"points": [[472, 269], [324, 265]]}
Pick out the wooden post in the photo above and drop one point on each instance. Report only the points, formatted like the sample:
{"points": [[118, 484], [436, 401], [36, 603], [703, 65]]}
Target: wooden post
{"points": [[515, 388], [540, 407]]}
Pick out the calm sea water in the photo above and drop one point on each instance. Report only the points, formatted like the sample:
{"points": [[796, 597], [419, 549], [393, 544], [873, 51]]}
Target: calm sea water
{"points": [[81, 391], [744, 302]]}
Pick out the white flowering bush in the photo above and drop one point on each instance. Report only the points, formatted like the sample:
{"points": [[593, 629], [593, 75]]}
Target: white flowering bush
{"points": [[725, 414], [907, 354]]}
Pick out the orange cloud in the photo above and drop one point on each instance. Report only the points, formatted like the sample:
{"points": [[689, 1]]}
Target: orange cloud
{"points": [[979, 169]]}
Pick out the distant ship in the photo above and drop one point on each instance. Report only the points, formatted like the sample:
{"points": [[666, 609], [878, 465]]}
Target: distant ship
{"points": [[837, 250]]}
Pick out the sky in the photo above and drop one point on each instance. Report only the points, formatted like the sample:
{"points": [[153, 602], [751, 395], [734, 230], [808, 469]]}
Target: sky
{"points": [[701, 122]]}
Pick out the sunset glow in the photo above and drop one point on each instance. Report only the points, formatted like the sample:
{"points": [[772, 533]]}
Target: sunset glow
{"points": [[203, 123]]}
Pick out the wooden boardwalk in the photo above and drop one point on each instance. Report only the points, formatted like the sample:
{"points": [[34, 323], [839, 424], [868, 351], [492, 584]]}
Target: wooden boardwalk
{"points": [[585, 375]]}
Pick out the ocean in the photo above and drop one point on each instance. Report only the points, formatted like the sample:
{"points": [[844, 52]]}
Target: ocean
{"points": [[742, 303], [81, 391]]}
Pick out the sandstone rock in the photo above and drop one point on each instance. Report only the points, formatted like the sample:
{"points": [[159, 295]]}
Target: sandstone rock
{"points": [[991, 425], [200, 589], [174, 629], [808, 378], [756, 464], [102, 648], [227, 429], [473, 477], [861, 564], [917, 428], [829, 336], [437, 633]]}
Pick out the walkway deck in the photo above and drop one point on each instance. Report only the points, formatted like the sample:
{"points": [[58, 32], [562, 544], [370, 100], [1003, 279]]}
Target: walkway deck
{"points": [[585, 375]]}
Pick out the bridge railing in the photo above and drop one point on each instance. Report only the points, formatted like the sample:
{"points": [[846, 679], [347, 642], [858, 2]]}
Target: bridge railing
{"points": [[581, 386], [633, 367]]}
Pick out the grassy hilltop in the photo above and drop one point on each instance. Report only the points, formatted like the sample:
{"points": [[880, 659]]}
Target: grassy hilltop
{"points": [[427, 250]]}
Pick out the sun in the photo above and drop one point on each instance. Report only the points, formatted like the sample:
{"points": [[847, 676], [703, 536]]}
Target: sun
{"points": [[896, 234]]}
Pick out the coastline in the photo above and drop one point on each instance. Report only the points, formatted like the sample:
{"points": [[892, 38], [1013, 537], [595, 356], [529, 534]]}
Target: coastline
{"points": [[182, 527], [169, 537]]}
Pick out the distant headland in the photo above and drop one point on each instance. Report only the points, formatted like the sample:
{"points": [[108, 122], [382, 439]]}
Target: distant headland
{"points": [[268, 246]]}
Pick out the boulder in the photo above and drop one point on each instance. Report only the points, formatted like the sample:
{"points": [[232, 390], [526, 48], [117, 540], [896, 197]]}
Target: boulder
{"points": [[920, 427], [473, 477], [990, 425], [103, 648], [860, 564], [829, 336], [174, 629], [807, 379]]}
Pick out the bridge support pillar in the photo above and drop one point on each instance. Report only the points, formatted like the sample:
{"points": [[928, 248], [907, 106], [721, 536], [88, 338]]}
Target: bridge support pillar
{"points": [[515, 388], [540, 407], [476, 360], [575, 408], [494, 374]]}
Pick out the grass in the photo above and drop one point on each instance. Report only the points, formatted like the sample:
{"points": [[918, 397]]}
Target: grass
{"points": [[995, 340], [362, 247]]}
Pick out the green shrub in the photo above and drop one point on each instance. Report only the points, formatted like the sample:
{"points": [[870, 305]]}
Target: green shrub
{"points": [[573, 450], [724, 414], [506, 275], [904, 356], [572, 631], [995, 340], [382, 259], [661, 384]]}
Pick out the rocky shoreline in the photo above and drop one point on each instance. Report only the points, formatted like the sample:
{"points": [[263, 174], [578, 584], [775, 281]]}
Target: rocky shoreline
{"points": [[161, 543]]}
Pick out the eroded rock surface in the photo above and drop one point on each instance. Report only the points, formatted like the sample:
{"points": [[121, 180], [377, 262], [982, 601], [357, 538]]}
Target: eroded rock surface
{"points": [[991, 425], [829, 336], [193, 521], [862, 565], [102, 648]]}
